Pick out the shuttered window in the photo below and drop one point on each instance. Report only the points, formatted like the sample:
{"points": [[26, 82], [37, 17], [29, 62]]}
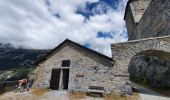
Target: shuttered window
{"points": [[66, 63]]}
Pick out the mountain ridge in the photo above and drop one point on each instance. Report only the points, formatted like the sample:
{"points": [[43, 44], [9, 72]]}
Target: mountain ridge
{"points": [[16, 57]]}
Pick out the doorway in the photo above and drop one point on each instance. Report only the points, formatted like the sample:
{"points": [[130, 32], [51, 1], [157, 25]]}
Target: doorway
{"points": [[55, 79], [65, 78], [60, 76]]}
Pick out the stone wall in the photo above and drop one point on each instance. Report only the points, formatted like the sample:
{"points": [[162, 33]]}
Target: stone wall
{"points": [[153, 23], [130, 23], [86, 69], [124, 52], [138, 8], [148, 27], [150, 70]]}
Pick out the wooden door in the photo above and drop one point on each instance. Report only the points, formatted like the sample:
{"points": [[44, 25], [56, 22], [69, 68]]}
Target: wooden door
{"points": [[55, 79], [65, 78]]}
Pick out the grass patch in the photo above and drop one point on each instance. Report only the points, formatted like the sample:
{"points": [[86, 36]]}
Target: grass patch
{"points": [[21, 72], [135, 96], [77, 96], [39, 92], [16, 73]]}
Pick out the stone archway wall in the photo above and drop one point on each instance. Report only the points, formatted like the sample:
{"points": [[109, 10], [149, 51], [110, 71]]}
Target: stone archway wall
{"points": [[122, 54], [151, 71]]}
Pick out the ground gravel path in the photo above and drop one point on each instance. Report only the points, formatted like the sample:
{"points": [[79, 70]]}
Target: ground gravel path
{"points": [[147, 94], [144, 93], [50, 95]]}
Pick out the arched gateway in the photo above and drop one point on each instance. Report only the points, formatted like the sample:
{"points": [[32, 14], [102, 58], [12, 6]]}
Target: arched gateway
{"points": [[124, 52], [148, 26]]}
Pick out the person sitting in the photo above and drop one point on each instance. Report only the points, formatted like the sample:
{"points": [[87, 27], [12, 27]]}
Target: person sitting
{"points": [[22, 85]]}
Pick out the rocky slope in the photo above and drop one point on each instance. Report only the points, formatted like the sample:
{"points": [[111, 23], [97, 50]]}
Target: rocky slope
{"points": [[15, 64], [11, 57]]}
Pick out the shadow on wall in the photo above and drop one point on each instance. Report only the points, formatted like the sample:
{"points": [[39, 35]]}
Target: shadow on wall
{"points": [[151, 69]]}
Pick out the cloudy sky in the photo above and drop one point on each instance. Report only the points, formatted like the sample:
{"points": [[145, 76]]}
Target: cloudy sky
{"points": [[43, 24]]}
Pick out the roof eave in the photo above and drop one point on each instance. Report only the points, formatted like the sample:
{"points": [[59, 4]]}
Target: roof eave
{"points": [[69, 41]]}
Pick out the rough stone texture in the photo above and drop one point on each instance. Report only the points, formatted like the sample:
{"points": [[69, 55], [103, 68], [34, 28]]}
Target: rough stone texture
{"points": [[138, 8], [150, 70], [130, 23], [153, 23], [124, 52], [146, 21], [100, 72], [93, 69]]}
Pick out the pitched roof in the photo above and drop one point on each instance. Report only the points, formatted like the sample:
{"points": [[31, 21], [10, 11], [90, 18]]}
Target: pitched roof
{"points": [[74, 43]]}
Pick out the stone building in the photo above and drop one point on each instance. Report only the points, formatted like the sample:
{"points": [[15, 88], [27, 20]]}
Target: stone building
{"points": [[76, 68], [73, 67], [146, 54], [147, 18]]}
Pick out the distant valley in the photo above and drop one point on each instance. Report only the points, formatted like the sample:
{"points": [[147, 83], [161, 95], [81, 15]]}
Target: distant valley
{"points": [[11, 57]]}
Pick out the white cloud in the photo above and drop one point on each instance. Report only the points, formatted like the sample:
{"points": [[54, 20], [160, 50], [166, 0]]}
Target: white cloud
{"points": [[32, 24]]}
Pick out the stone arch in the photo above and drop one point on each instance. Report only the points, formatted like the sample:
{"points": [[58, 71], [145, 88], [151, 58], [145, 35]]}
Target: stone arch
{"points": [[151, 67], [158, 53], [122, 54]]}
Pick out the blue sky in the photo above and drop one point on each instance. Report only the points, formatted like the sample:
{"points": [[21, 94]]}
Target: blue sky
{"points": [[43, 24]]}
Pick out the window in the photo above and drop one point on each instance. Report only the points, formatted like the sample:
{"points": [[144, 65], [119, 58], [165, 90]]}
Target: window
{"points": [[66, 63]]}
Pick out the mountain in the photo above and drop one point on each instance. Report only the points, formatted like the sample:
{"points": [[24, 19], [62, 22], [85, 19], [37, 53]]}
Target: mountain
{"points": [[11, 57]]}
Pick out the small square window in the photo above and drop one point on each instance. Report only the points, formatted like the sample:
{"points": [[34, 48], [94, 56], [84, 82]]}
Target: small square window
{"points": [[66, 63]]}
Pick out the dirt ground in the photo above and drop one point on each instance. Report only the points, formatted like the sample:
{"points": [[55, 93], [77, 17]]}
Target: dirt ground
{"points": [[148, 94], [44, 94]]}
